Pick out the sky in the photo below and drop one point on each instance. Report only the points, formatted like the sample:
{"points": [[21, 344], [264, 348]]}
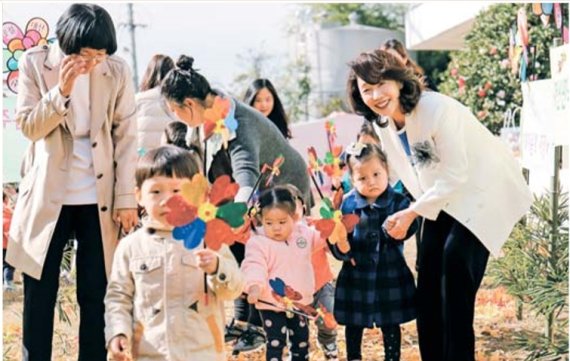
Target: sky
{"points": [[213, 33]]}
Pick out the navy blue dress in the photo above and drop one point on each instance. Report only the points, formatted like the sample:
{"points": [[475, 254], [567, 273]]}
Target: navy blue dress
{"points": [[379, 290]]}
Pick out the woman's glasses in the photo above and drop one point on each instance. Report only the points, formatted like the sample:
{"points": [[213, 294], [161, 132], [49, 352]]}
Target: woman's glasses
{"points": [[95, 58]]}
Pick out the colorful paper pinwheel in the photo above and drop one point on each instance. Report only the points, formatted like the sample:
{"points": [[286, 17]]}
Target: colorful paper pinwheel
{"points": [[315, 164], [274, 169], [335, 226], [17, 42], [330, 128], [274, 172], [326, 317], [219, 120], [332, 163], [200, 213], [288, 297]]}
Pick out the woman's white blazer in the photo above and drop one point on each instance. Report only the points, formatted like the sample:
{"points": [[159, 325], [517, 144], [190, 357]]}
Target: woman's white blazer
{"points": [[459, 167]]}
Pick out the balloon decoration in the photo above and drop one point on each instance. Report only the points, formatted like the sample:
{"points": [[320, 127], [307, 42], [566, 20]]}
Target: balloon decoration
{"points": [[16, 42]]}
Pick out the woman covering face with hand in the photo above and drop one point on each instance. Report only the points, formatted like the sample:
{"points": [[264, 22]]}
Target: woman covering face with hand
{"points": [[466, 184], [76, 105]]}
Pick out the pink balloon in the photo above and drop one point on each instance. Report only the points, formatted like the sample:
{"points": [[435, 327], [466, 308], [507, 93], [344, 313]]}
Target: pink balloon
{"points": [[34, 35], [28, 42]]}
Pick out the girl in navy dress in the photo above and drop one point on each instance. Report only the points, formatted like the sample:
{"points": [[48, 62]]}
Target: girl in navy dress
{"points": [[375, 287]]}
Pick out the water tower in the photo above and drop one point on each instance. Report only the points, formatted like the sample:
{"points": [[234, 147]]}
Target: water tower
{"points": [[330, 48]]}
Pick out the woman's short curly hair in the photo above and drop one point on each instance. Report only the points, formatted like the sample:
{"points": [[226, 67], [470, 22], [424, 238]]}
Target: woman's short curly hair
{"points": [[375, 66]]}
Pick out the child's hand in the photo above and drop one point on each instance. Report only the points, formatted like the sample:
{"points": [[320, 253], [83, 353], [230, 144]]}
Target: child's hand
{"points": [[118, 348], [253, 294], [397, 224], [127, 218], [207, 260]]}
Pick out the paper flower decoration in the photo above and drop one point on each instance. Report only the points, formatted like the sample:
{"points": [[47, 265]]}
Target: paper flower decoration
{"points": [[209, 214], [219, 120], [274, 169], [17, 42], [335, 226]]}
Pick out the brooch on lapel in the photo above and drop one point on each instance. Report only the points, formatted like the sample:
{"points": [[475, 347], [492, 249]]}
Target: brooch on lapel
{"points": [[423, 154]]}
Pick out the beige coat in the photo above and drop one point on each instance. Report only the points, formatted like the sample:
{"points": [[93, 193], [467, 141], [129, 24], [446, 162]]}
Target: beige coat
{"points": [[44, 119], [156, 284]]}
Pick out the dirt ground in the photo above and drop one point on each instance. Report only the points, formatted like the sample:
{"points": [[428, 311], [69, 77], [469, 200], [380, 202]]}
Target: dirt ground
{"points": [[495, 327]]}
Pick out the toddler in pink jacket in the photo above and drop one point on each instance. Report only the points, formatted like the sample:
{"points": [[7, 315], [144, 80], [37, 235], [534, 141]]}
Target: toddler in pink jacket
{"points": [[283, 252]]}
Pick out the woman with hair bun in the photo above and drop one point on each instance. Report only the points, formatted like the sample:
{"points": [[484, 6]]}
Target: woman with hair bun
{"points": [[254, 143]]}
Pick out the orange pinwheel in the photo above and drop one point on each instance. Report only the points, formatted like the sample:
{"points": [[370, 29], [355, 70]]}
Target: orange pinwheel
{"points": [[219, 120], [326, 317], [335, 226], [330, 128], [289, 298], [332, 162], [274, 169]]}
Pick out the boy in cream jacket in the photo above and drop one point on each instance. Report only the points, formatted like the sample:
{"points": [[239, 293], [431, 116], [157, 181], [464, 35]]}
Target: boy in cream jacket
{"points": [[155, 307]]}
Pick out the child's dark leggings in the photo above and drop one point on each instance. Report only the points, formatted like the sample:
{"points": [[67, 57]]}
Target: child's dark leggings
{"points": [[277, 325], [391, 335]]}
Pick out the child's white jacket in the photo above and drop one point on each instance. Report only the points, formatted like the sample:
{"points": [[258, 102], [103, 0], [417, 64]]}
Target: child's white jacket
{"points": [[459, 168], [156, 283]]}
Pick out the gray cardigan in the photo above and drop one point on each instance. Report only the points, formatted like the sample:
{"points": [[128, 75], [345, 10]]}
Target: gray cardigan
{"points": [[258, 141]]}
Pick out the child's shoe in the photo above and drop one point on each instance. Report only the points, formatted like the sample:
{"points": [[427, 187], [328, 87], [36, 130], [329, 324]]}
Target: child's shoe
{"points": [[330, 351], [251, 339], [233, 331], [9, 286]]}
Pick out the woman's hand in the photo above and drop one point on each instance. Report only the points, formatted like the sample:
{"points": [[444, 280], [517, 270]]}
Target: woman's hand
{"points": [[118, 349], [126, 218], [71, 67], [397, 224], [207, 260], [253, 294]]}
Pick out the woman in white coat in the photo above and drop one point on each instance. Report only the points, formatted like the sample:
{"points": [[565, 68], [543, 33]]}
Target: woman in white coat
{"points": [[466, 185], [76, 105], [153, 114]]}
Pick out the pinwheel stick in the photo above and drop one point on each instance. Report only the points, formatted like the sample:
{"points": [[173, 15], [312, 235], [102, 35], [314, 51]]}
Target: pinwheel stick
{"points": [[316, 185], [329, 141], [205, 175], [302, 314], [255, 186]]}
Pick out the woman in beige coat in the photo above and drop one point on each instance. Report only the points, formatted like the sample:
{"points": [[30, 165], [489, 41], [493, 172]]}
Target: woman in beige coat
{"points": [[76, 105]]}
